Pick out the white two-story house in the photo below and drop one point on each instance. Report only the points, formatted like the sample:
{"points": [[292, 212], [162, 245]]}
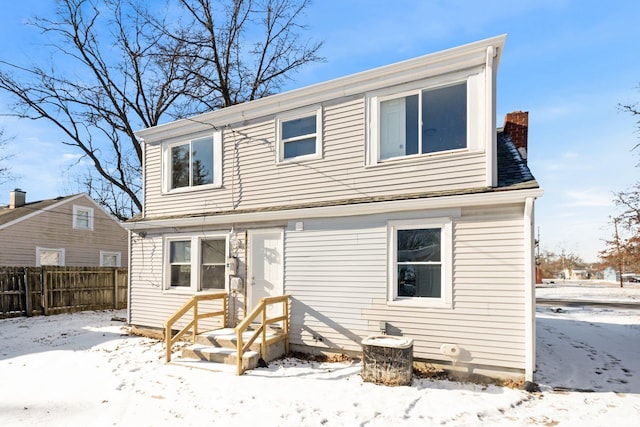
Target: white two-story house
{"points": [[385, 201]]}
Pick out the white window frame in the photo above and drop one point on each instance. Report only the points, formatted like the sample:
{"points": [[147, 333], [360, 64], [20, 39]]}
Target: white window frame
{"points": [[446, 248], [475, 114], [118, 256], [195, 285], [77, 210], [298, 114], [217, 164], [40, 250]]}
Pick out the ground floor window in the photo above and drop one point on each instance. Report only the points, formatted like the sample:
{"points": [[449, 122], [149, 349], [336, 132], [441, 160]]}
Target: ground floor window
{"points": [[420, 261], [110, 259], [48, 256], [196, 263]]}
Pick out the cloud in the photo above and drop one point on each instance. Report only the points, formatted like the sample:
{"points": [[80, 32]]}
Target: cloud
{"points": [[588, 198]]}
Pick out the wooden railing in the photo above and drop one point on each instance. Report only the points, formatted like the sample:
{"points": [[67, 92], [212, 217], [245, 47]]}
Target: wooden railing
{"points": [[261, 310], [192, 304]]}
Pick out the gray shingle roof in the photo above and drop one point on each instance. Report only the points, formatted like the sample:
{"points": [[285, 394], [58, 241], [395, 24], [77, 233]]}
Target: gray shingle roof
{"points": [[512, 168], [7, 215]]}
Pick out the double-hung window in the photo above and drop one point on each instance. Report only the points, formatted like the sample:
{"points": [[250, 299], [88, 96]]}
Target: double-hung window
{"points": [[195, 163], [420, 121], [299, 135], [420, 261], [196, 263], [82, 218]]}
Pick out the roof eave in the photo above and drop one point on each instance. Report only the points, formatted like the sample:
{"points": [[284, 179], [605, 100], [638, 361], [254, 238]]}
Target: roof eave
{"points": [[437, 63]]}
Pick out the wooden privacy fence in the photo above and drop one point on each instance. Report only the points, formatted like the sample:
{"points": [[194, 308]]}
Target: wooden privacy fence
{"points": [[28, 291]]}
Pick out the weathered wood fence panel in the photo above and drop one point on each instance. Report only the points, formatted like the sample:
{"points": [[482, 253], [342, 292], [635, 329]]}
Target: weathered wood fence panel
{"points": [[27, 291]]}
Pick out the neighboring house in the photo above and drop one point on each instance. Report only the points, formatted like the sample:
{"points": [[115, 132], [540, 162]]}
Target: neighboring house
{"points": [[66, 231], [382, 201]]}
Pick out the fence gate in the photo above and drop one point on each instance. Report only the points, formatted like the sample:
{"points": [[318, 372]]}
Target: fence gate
{"points": [[14, 290]]}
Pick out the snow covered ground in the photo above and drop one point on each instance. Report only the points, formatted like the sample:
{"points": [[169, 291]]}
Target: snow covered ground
{"points": [[84, 370]]}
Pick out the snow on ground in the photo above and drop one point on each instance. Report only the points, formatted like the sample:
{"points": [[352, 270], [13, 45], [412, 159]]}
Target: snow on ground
{"points": [[84, 369]]}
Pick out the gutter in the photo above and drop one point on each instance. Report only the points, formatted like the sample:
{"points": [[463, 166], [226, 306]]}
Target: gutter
{"points": [[342, 210]]}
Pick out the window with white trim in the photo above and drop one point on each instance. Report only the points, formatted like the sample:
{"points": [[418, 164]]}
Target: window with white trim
{"points": [[299, 135], [110, 259], [421, 121], [82, 218], [420, 261], [424, 122], [196, 163], [49, 256], [196, 263]]}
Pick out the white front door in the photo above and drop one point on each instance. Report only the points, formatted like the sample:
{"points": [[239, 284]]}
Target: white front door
{"points": [[265, 268]]}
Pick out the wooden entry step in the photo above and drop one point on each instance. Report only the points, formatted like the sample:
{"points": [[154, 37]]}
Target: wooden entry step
{"points": [[219, 346]]}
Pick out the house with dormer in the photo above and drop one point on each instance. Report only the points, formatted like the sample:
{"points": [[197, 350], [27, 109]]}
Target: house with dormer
{"points": [[384, 202]]}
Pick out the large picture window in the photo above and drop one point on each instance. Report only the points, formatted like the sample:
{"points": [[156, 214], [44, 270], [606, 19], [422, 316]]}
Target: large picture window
{"points": [[194, 164], [196, 263], [422, 122], [299, 135], [420, 261]]}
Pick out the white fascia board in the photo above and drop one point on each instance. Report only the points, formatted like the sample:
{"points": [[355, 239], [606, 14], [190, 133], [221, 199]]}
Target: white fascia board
{"points": [[445, 202], [438, 63]]}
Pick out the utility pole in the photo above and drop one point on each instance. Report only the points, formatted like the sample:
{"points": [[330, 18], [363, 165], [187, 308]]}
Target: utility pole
{"points": [[618, 251]]}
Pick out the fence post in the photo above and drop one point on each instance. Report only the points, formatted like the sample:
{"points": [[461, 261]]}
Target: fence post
{"points": [[27, 293], [115, 287], [45, 296]]}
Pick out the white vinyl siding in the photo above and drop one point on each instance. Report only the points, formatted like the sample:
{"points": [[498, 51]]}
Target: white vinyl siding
{"points": [[336, 269], [253, 179], [150, 305]]}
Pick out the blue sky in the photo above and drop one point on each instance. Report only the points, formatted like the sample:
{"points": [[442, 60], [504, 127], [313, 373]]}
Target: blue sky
{"points": [[569, 63]]}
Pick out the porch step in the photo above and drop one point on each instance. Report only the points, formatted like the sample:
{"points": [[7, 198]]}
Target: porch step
{"points": [[220, 355], [220, 346]]}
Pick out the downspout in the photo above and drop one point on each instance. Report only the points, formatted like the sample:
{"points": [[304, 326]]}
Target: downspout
{"points": [[489, 123], [129, 276], [529, 290]]}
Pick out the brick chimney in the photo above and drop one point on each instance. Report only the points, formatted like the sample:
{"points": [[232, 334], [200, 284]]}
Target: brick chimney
{"points": [[516, 125], [16, 198]]}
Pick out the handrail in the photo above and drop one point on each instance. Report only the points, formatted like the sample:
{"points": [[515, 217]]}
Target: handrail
{"points": [[261, 309], [192, 303]]}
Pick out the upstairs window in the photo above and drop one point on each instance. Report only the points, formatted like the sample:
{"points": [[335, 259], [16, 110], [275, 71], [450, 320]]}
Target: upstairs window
{"points": [[421, 122], [299, 135], [82, 218], [427, 122], [194, 164]]}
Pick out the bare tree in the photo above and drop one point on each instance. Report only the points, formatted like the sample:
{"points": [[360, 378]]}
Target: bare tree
{"points": [[5, 172], [242, 50], [125, 67]]}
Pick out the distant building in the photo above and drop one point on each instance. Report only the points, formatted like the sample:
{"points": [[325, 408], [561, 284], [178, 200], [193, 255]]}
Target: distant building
{"points": [[65, 231]]}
